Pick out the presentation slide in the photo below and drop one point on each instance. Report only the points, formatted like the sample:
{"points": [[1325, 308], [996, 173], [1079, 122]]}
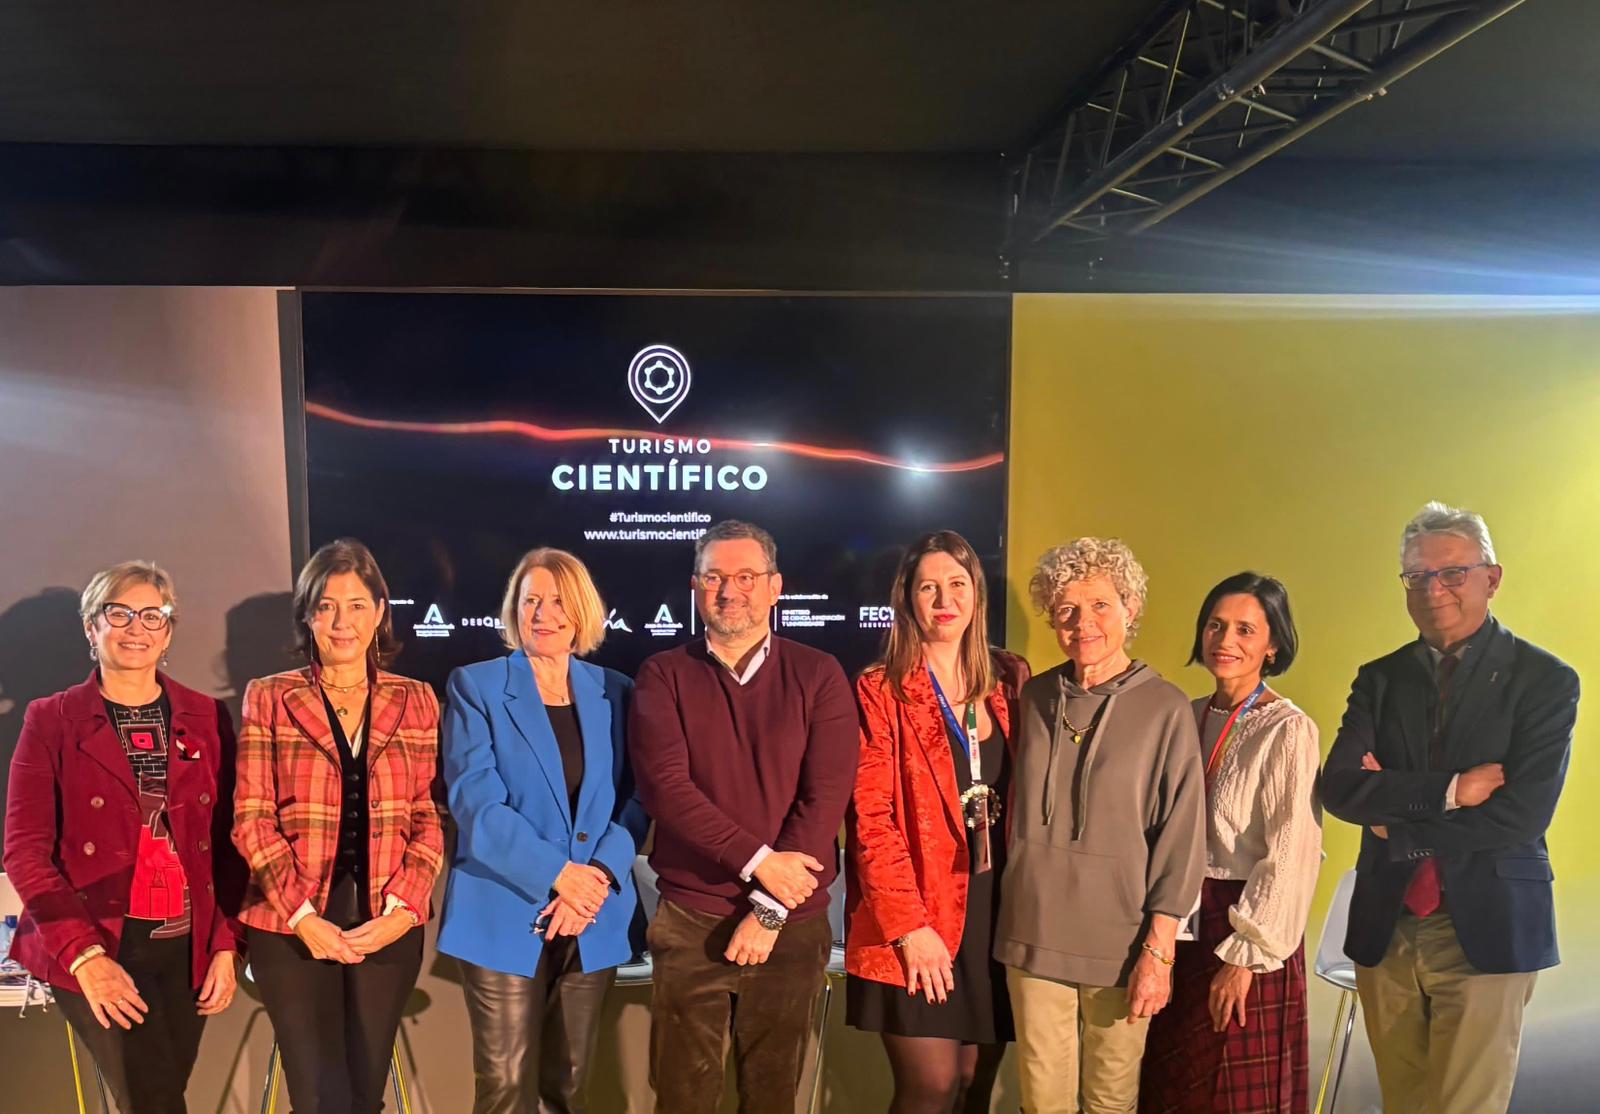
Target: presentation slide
{"points": [[453, 432]]}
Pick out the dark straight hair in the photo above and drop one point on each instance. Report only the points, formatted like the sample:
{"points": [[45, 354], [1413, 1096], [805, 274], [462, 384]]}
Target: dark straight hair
{"points": [[903, 651], [1274, 600], [339, 556]]}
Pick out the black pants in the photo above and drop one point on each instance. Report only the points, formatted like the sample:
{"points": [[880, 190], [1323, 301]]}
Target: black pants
{"points": [[146, 1068], [532, 1038], [335, 1024]]}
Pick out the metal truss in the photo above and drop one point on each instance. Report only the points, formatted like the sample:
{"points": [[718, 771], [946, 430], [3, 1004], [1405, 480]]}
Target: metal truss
{"points": [[1208, 89]]}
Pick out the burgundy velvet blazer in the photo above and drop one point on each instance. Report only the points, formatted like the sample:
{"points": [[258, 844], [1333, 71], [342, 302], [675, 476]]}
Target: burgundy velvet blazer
{"points": [[73, 820], [907, 840]]}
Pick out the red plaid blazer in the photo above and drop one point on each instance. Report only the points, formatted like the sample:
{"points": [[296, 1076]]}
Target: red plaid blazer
{"points": [[906, 838], [287, 802]]}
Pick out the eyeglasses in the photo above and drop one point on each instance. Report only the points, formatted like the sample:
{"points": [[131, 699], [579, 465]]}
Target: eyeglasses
{"points": [[744, 581], [1453, 577], [151, 618]]}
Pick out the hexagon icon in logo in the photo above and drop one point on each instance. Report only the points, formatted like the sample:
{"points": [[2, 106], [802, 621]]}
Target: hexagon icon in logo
{"points": [[658, 378]]}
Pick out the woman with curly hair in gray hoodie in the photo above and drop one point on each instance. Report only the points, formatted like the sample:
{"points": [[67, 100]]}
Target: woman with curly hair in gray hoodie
{"points": [[1107, 839]]}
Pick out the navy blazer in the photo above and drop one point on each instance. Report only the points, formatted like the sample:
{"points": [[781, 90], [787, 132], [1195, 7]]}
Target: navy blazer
{"points": [[1509, 702], [508, 794]]}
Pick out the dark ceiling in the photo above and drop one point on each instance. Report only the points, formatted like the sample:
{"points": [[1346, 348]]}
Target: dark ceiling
{"points": [[849, 144], [710, 75]]}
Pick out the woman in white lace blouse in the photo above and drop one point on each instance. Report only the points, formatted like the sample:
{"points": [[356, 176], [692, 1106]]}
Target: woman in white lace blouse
{"points": [[1234, 1037]]}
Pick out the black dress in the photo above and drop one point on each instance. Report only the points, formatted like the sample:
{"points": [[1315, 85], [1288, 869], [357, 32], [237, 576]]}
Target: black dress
{"points": [[978, 1011]]}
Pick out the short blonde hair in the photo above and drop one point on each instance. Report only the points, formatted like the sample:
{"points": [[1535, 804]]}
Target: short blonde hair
{"points": [[1085, 559], [107, 583], [579, 598]]}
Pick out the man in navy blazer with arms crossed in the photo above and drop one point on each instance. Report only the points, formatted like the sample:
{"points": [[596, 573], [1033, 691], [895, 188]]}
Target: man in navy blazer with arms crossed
{"points": [[1452, 755]]}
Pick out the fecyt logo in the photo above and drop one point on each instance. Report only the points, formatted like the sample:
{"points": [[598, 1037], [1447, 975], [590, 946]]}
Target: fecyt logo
{"points": [[876, 618], [659, 380]]}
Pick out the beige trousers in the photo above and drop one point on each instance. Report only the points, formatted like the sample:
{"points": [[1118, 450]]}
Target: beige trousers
{"points": [[1445, 1035], [1075, 1049]]}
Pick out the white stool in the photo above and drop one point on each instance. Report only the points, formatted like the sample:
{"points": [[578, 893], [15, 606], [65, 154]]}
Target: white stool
{"points": [[640, 971], [1333, 966], [834, 970]]}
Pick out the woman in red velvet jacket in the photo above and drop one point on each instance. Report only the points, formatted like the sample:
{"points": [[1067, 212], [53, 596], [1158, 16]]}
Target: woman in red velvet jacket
{"points": [[117, 818], [926, 836]]}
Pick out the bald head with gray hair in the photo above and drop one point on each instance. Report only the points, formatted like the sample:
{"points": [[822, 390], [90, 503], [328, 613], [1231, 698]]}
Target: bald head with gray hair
{"points": [[1441, 518]]}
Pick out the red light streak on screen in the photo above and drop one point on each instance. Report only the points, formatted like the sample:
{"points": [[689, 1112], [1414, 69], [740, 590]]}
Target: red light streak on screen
{"points": [[500, 427]]}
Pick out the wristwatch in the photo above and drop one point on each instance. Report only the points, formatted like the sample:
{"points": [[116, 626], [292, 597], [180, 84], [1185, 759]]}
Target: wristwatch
{"points": [[769, 919]]}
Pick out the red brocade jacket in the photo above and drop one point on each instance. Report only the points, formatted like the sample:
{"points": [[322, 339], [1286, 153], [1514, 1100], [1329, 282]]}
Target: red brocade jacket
{"points": [[907, 839]]}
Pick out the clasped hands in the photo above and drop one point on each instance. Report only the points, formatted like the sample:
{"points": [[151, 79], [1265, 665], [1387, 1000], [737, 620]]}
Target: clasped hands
{"points": [[1473, 786], [580, 891], [326, 940], [789, 877]]}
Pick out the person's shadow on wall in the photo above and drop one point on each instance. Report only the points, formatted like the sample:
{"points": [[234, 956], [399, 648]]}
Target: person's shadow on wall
{"points": [[42, 651], [258, 641]]}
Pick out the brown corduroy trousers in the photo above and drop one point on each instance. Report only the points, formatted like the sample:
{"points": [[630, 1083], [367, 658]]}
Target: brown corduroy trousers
{"points": [[698, 997]]}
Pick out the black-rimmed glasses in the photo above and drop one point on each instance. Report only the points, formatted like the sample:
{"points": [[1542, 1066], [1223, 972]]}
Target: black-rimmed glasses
{"points": [[1453, 577], [151, 618]]}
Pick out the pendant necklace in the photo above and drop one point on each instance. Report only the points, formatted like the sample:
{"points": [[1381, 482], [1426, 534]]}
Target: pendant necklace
{"points": [[339, 709]]}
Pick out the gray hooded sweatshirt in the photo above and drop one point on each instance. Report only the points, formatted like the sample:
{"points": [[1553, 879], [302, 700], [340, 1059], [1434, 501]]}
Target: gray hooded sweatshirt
{"points": [[1103, 833]]}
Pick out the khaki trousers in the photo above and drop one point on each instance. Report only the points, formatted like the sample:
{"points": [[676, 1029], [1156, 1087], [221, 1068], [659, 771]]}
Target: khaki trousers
{"points": [[1445, 1035], [1075, 1049]]}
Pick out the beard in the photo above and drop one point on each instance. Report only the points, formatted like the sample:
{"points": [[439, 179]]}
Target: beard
{"points": [[732, 623]]}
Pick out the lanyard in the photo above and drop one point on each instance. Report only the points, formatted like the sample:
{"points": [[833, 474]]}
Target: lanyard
{"points": [[1227, 729], [969, 737]]}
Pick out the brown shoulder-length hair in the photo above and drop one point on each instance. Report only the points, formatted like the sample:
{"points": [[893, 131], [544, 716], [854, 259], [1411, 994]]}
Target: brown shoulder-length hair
{"points": [[903, 650], [340, 556]]}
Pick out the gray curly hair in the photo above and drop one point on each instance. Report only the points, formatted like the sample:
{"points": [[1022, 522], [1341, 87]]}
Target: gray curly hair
{"points": [[1084, 559]]}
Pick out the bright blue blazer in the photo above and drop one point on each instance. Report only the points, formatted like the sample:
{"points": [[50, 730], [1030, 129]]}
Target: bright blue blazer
{"points": [[508, 794]]}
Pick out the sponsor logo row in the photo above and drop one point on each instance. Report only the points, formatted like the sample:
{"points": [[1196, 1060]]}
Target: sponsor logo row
{"points": [[792, 612]]}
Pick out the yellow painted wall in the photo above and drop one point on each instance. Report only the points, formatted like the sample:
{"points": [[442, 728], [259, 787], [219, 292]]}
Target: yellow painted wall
{"points": [[1295, 436]]}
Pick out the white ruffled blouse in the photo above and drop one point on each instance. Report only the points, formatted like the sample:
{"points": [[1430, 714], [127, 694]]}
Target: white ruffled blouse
{"points": [[1264, 827]]}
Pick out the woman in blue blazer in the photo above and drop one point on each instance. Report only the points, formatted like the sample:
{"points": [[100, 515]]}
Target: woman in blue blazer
{"points": [[541, 890]]}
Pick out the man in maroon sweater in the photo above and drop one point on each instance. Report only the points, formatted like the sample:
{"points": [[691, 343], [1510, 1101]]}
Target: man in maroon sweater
{"points": [[744, 748]]}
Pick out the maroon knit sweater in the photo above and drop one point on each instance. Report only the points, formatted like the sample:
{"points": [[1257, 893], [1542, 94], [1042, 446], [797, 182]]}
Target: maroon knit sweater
{"points": [[725, 768]]}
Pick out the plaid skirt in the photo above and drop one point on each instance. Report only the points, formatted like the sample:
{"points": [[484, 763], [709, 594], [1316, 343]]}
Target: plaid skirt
{"points": [[1262, 1068]]}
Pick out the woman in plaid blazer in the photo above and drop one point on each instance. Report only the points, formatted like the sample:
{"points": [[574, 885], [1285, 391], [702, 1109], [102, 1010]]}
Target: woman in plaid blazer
{"points": [[335, 814]]}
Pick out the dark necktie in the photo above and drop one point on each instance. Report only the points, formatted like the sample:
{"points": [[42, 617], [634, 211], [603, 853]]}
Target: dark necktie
{"points": [[1425, 893]]}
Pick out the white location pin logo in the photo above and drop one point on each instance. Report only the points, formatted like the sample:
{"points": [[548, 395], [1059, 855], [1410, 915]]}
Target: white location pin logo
{"points": [[659, 380]]}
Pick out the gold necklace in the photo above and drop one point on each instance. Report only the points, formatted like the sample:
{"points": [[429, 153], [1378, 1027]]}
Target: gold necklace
{"points": [[341, 710], [1077, 732]]}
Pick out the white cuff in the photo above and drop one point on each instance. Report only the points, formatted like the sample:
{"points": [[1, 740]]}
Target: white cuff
{"points": [[755, 861], [93, 951], [1450, 795], [760, 897], [306, 910], [391, 903]]}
